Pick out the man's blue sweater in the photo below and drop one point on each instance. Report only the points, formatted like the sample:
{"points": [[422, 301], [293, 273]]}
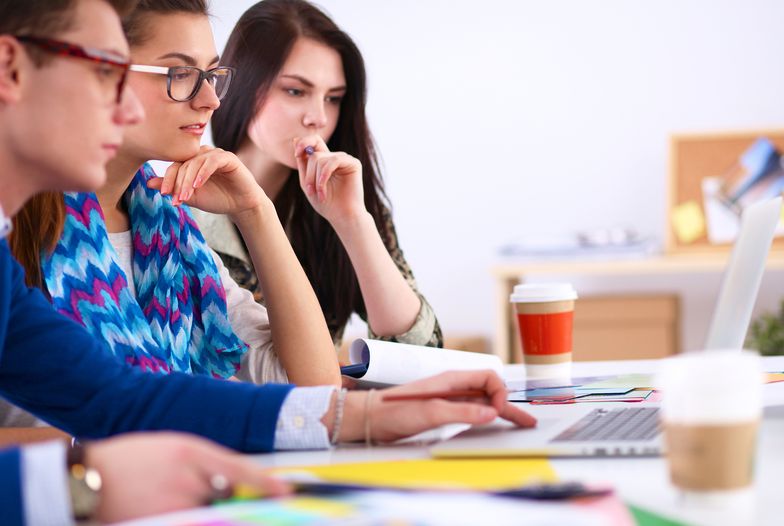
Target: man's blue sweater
{"points": [[51, 367]]}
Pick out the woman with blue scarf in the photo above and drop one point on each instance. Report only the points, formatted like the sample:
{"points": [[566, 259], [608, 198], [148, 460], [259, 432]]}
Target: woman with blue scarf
{"points": [[131, 264]]}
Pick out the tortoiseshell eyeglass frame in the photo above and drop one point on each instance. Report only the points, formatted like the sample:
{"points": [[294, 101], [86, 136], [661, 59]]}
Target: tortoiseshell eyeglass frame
{"points": [[66, 49]]}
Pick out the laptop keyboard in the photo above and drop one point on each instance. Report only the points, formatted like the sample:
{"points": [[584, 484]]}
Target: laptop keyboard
{"points": [[627, 424]]}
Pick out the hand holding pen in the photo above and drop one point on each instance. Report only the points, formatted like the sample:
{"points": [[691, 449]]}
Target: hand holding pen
{"points": [[332, 181], [406, 410]]}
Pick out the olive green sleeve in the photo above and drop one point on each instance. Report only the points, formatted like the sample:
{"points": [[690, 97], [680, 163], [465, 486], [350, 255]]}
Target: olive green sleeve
{"points": [[425, 330]]}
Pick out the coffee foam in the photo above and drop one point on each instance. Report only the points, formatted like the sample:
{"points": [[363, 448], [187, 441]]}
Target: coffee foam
{"points": [[711, 387]]}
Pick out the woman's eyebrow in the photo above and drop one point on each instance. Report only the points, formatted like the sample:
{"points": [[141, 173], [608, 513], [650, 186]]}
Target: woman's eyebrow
{"points": [[189, 60], [302, 79], [309, 84]]}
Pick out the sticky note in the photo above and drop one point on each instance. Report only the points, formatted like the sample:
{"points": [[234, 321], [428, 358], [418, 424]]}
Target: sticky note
{"points": [[688, 221]]}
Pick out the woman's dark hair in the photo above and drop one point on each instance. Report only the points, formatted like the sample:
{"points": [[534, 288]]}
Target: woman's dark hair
{"points": [[136, 30], [258, 47]]}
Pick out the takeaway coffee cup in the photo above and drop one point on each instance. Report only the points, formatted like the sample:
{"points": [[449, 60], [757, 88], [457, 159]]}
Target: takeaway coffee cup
{"points": [[711, 409], [544, 320]]}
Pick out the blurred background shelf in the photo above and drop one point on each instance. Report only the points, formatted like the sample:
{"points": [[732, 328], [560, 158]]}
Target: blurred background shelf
{"points": [[632, 325]]}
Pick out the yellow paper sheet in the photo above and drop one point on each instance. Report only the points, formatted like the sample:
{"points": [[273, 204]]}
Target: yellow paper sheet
{"points": [[688, 221], [476, 474]]}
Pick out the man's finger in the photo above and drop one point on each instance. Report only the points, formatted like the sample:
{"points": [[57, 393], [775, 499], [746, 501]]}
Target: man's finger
{"points": [[517, 416]]}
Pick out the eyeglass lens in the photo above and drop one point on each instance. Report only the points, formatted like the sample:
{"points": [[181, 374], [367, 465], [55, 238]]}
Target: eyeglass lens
{"points": [[114, 80], [185, 82]]}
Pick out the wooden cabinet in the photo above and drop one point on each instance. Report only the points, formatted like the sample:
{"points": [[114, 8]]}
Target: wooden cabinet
{"points": [[626, 327]]}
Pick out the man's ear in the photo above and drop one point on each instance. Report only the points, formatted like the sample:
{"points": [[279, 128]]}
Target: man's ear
{"points": [[11, 58]]}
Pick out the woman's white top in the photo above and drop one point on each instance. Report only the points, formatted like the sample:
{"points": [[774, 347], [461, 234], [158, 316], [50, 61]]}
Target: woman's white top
{"points": [[248, 318]]}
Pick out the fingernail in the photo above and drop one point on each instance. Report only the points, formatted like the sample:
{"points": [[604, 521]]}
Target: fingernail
{"points": [[310, 150], [183, 195], [197, 182]]}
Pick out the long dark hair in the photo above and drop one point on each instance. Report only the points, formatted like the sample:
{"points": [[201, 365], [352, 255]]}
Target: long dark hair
{"points": [[258, 47], [134, 23], [37, 229]]}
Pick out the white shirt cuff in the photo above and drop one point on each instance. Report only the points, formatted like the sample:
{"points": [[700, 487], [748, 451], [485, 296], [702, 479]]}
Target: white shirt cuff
{"points": [[45, 485], [299, 422]]}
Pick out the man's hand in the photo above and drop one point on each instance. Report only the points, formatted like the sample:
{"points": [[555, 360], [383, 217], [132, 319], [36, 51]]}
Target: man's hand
{"points": [[392, 420], [149, 473]]}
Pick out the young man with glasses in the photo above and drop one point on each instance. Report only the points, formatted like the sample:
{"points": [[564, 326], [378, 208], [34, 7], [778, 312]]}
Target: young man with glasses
{"points": [[56, 94], [62, 111]]}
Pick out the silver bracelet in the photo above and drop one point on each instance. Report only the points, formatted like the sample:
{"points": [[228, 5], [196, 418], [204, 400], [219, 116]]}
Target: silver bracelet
{"points": [[339, 404]]}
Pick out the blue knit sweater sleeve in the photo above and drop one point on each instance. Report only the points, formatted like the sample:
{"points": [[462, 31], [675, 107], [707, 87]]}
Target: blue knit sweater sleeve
{"points": [[53, 368]]}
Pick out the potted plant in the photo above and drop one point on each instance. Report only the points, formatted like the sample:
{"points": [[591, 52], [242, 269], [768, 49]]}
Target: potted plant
{"points": [[767, 333]]}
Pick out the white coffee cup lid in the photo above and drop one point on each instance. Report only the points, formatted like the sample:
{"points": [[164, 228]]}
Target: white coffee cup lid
{"points": [[536, 292], [714, 386]]}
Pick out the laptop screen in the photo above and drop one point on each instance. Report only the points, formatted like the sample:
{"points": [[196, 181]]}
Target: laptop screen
{"points": [[743, 276]]}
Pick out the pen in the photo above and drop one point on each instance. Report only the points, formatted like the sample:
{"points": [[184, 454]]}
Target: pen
{"points": [[310, 150], [465, 393], [557, 491]]}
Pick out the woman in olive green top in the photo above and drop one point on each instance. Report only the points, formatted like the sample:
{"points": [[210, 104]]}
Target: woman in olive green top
{"points": [[297, 121]]}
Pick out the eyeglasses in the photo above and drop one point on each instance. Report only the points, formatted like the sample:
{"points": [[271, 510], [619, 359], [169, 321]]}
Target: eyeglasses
{"points": [[184, 82], [118, 65]]}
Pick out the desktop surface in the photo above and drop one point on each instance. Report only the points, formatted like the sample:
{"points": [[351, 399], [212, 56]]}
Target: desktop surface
{"points": [[642, 482]]}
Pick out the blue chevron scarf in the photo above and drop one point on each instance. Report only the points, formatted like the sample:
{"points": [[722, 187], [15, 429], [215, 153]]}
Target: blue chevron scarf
{"points": [[178, 320]]}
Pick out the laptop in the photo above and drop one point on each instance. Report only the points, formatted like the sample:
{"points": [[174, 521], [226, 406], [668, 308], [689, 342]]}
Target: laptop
{"points": [[607, 430]]}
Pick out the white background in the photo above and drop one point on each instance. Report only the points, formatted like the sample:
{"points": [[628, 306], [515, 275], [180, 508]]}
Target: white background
{"points": [[500, 120]]}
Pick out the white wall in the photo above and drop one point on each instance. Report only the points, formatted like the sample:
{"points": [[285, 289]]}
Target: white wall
{"points": [[502, 119]]}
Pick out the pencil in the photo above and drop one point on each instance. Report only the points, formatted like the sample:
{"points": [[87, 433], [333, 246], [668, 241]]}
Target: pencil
{"points": [[466, 393], [522, 419]]}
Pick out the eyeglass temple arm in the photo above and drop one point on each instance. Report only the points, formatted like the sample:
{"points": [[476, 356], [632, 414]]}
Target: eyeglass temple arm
{"points": [[149, 69]]}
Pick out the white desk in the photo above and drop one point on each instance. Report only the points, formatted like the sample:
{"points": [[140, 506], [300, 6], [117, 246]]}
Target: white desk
{"points": [[640, 481]]}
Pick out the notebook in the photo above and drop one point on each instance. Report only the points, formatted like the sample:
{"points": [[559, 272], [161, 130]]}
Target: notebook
{"points": [[634, 431]]}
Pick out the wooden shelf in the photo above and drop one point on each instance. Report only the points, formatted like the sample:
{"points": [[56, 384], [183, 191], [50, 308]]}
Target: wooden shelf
{"points": [[508, 274]]}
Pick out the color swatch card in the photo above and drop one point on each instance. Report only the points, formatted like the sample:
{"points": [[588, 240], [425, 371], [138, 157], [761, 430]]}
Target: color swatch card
{"points": [[564, 394], [385, 508]]}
